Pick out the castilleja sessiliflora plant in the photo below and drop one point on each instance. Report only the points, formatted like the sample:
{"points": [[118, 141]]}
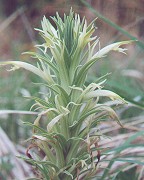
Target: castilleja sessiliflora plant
{"points": [[67, 137]]}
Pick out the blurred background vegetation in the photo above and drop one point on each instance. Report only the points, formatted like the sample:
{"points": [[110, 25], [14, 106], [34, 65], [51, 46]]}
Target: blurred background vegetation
{"points": [[117, 20]]}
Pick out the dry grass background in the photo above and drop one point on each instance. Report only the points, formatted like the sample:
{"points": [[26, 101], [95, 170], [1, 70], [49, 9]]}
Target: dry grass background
{"points": [[17, 33], [17, 22]]}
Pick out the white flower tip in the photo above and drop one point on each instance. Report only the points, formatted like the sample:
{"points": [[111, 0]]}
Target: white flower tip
{"points": [[13, 68], [37, 29], [122, 50]]}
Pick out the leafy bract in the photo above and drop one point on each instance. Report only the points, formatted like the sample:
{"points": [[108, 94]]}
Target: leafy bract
{"points": [[64, 132]]}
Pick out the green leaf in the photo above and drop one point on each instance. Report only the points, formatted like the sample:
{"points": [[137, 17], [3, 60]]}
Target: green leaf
{"points": [[112, 47], [43, 58], [101, 93], [29, 67], [81, 77], [53, 122], [41, 102]]}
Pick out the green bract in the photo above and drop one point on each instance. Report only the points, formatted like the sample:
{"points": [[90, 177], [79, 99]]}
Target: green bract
{"points": [[69, 141]]}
